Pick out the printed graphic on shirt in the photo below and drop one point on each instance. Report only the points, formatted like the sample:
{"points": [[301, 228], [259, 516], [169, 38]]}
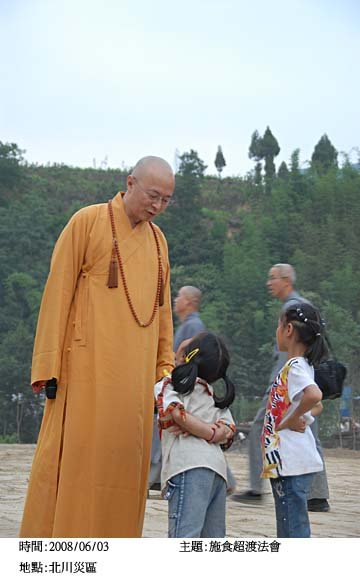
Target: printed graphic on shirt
{"points": [[277, 406]]}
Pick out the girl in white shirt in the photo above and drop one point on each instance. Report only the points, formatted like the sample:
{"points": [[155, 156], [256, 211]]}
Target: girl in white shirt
{"points": [[289, 449], [195, 426]]}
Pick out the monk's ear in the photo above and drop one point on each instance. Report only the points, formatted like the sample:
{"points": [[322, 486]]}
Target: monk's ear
{"points": [[130, 182]]}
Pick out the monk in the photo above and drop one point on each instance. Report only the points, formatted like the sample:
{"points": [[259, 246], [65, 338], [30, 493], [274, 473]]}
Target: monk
{"points": [[104, 335]]}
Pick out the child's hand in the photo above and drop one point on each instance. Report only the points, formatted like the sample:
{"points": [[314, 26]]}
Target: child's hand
{"points": [[229, 433], [178, 430], [220, 433], [294, 423]]}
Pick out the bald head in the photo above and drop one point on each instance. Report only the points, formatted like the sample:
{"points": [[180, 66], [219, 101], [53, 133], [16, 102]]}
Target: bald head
{"points": [[193, 294], [149, 189], [187, 301], [152, 165]]}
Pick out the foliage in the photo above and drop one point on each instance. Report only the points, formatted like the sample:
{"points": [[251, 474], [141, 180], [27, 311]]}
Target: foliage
{"points": [[223, 242], [191, 165], [219, 160], [271, 149], [324, 156], [10, 165], [283, 172], [256, 153], [264, 148]]}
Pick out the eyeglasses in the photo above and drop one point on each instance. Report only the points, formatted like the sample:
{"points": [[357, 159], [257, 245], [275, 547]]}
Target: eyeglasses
{"points": [[276, 277], [154, 197]]}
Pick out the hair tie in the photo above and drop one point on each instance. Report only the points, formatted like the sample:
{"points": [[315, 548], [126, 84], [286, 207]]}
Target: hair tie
{"points": [[318, 334], [191, 355], [301, 315]]}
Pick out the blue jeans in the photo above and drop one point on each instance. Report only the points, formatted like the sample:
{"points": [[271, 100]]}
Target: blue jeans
{"points": [[290, 495], [197, 499]]}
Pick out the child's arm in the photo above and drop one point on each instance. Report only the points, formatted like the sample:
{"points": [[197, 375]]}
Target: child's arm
{"points": [[211, 432], [225, 417], [315, 411], [296, 422]]}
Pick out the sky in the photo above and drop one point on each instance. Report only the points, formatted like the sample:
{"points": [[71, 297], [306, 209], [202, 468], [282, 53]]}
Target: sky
{"points": [[86, 82]]}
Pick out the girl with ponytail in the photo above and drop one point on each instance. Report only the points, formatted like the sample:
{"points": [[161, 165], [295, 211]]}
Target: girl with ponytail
{"points": [[289, 449], [195, 426]]}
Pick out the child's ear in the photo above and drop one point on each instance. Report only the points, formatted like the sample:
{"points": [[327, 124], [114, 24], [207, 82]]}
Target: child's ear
{"points": [[289, 329]]}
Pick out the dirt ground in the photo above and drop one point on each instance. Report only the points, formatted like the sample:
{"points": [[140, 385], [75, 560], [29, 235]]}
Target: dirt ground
{"points": [[343, 521]]}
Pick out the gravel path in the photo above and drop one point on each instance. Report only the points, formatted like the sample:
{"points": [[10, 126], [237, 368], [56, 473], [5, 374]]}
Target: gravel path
{"points": [[343, 468]]}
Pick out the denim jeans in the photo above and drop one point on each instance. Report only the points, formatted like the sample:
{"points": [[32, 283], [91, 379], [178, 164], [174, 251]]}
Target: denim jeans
{"points": [[196, 508], [290, 495]]}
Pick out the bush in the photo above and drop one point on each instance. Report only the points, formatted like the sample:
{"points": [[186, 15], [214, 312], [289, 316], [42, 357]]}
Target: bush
{"points": [[8, 438]]}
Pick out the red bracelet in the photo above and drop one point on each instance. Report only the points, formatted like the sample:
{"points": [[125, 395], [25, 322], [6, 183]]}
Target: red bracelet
{"points": [[213, 435]]}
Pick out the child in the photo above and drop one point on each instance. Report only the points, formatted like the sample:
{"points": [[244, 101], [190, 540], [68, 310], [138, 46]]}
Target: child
{"points": [[289, 449], [194, 424]]}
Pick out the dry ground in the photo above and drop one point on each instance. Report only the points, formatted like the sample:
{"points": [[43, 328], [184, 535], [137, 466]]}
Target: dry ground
{"points": [[343, 468]]}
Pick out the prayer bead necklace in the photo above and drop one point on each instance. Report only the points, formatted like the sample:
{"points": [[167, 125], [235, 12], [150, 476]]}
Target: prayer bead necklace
{"points": [[159, 297]]}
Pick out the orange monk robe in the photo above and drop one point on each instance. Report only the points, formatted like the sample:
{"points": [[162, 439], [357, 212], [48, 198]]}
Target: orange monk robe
{"points": [[89, 475]]}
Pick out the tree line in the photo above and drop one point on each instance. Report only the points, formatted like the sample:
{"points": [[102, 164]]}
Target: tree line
{"points": [[223, 234]]}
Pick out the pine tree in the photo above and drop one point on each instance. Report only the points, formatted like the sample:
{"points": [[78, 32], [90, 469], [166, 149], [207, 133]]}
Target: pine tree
{"points": [[283, 172], [270, 149], [256, 153], [219, 161], [324, 156]]}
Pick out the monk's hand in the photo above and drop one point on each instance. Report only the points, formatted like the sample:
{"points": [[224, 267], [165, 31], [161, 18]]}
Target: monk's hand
{"points": [[294, 423], [38, 386]]}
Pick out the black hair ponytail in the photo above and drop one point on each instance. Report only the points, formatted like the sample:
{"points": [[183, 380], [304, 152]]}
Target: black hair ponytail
{"points": [[184, 377], [229, 396], [310, 328]]}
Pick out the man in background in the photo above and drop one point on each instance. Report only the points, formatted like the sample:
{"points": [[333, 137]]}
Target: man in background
{"points": [[186, 308]]}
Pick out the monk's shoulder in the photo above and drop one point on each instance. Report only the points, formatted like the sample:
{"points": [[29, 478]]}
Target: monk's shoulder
{"points": [[89, 218], [89, 212], [160, 234]]}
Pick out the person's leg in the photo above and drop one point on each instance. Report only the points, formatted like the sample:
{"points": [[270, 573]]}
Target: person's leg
{"points": [[214, 524], [255, 453], [189, 494], [231, 481], [319, 490], [290, 495], [155, 463]]}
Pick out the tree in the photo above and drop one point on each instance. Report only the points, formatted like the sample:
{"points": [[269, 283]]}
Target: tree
{"points": [[297, 180], [266, 148], [256, 152], [219, 161], [283, 172], [10, 168], [191, 165], [324, 156], [184, 225], [224, 246], [270, 149]]}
